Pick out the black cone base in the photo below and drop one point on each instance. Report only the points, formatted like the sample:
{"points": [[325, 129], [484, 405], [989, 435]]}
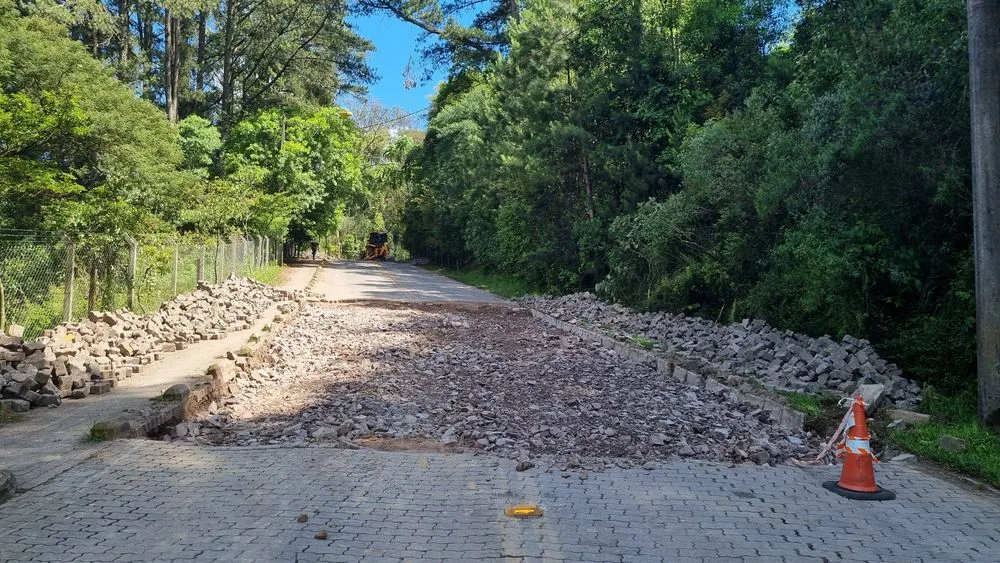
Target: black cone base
{"points": [[880, 494]]}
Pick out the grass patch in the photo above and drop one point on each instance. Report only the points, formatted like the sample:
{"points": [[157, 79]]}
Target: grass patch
{"points": [[807, 403], [644, 342], [954, 415], [9, 417], [822, 413], [96, 434], [266, 274], [504, 285]]}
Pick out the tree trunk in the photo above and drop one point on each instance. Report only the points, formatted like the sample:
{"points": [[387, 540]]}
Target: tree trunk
{"points": [[202, 40], [984, 89], [168, 70], [171, 62], [227, 67], [146, 34], [124, 18], [144, 28], [587, 185]]}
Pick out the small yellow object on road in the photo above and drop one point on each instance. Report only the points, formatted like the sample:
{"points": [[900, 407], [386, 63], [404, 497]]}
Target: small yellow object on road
{"points": [[523, 511]]}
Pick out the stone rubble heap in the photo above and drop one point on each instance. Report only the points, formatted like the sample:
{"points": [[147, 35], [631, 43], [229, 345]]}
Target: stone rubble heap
{"points": [[81, 358], [482, 379], [781, 360]]}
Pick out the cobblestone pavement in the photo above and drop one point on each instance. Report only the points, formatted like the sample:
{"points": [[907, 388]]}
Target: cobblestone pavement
{"points": [[151, 501]]}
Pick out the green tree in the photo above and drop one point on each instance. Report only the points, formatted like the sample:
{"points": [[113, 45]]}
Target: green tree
{"points": [[309, 158], [73, 134]]}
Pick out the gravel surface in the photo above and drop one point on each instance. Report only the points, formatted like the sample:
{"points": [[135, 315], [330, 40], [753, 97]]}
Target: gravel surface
{"points": [[477, 378]]}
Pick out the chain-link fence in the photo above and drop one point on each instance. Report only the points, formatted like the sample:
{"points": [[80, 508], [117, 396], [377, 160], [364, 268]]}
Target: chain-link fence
{"points": [[46, 278], [32, 277]]}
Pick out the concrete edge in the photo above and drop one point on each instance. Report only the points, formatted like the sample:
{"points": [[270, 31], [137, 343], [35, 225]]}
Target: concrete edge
{"points": [[780, 412], [184, 400]]}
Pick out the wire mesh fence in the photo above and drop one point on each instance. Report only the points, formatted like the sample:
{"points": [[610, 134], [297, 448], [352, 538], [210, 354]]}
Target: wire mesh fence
{"points": [[32, 274], [47, 278]]}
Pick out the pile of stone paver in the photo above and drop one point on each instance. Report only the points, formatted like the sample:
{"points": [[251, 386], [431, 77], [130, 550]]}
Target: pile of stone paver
{"points": [[81, 358], [483, 379], [782, 360]]}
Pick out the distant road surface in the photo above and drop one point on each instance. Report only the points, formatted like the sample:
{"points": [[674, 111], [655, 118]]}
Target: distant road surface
{"points": [[346, 280]]}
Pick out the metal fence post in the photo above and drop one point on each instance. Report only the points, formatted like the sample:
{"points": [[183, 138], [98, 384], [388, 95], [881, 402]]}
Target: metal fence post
{"points": [[200, 265], [68, 280], [3, 313], [217, 244], [133, 260], [173, 273]]}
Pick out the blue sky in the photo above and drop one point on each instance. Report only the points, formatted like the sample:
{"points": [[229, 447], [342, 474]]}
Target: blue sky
{"points": [[395, 43]]}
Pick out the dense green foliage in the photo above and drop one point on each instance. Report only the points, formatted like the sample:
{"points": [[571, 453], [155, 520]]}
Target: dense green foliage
{"points": [[77, 148], [87, 147], [806, 164], [176, 121]]}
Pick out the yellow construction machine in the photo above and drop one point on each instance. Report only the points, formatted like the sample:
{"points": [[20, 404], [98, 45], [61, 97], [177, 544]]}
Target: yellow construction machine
{"points": [[377, 247]]}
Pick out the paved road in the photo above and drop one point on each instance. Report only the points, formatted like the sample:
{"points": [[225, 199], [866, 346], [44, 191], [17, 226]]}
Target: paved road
{"points": [[140, 500], [152, 501], [347, 280]]}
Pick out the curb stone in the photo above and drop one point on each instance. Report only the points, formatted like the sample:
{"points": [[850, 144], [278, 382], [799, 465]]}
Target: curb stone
{"points": [[781, 413], [7, 485], [314, 278]]}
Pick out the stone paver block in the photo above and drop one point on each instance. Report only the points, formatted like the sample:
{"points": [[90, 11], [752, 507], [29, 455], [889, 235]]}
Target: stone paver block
{"points": [[148, 500]]}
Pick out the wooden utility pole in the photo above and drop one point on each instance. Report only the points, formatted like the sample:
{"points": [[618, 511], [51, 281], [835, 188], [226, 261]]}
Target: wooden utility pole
{"points": [[984, 91]]}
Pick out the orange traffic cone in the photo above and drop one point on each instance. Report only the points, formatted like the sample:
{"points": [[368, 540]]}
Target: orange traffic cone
{"points": [[857, 479]]}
